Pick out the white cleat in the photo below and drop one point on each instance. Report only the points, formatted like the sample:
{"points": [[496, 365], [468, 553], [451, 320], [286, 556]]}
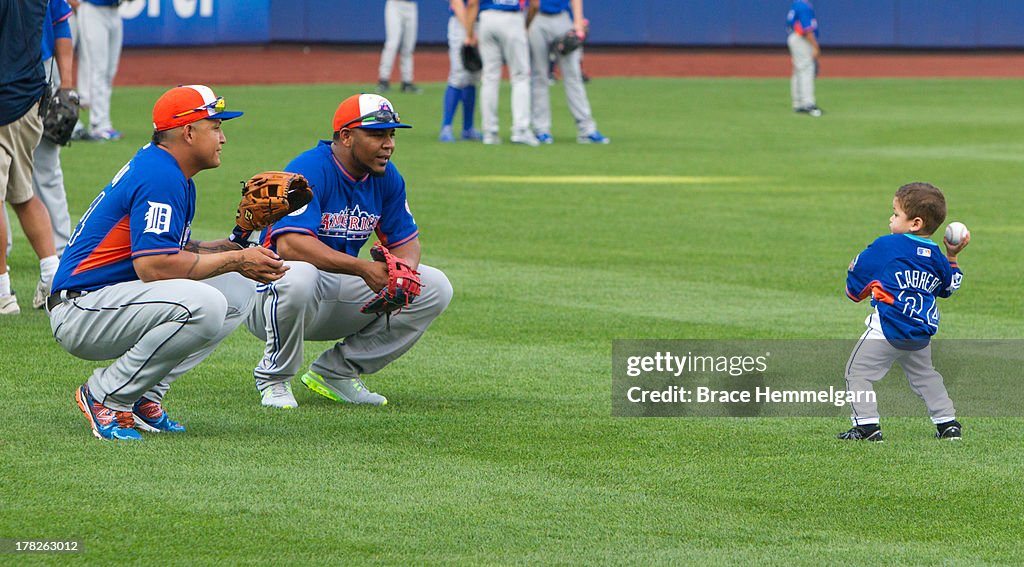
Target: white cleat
{"points": [[279, 395], [9, 305]]}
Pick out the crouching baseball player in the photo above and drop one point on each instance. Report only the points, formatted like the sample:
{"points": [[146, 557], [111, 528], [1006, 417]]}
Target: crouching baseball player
{"points": [[904, 274], [133, 286], [376, 309]]}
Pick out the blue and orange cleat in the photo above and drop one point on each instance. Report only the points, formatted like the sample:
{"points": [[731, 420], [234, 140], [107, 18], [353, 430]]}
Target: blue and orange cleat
{"points": [[151, 418], [105, 422]]}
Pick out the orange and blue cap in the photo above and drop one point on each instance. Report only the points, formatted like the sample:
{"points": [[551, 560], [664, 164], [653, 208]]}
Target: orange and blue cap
{"points": [[186, 104], [367, 111]]}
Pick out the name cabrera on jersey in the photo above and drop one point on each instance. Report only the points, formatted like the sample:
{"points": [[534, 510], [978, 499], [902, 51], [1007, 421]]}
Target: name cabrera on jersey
{"points": [[345, 211], [903, 274], [147, 209]]}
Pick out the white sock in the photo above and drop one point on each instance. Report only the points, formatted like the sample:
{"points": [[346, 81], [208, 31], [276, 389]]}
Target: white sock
{"points": [[5, 284], [47, 268]]}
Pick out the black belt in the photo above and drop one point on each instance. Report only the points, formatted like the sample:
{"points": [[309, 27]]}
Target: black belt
{"points": [[56, 299]]}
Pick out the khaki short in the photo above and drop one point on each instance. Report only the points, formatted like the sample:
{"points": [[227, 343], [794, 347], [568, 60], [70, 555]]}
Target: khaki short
{"points": [[17, 142]]}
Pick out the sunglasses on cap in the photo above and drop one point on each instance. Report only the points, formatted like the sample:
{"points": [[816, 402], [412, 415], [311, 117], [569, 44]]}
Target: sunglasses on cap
{"points": [[217, 106], [382, 116]]}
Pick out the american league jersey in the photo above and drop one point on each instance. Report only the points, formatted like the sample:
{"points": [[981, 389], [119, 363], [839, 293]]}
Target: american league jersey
{"points": [[147, 209], [345, 211], [903, 274]]}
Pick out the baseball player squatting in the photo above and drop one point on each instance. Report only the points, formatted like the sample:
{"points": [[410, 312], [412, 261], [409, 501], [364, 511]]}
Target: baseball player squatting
{"points": [[357, 191], [551, 23], [461, 81], [401, 18], [903, 273], [134, 286], [502, 39]]}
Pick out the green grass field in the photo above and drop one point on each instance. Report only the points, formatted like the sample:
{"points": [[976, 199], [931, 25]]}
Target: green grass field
{"points": [[715, 213]]}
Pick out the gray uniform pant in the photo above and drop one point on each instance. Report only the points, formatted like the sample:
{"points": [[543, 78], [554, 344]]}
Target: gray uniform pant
{"points": [[309, 304], [544, 30], [401, 18], [48, 183], [458, 76], [100, 47], [871, 360], [503, 40], [801, 84], [157, 331]]}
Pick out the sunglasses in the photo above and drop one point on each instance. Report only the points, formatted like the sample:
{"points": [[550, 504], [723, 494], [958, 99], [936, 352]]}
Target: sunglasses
{"points": [[217, 105], [379, 116]]}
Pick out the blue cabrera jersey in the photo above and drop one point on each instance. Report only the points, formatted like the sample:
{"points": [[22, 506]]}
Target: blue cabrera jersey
{"points": [[147, 209], [345, 211], [800, 18], [504, 5], [903, 274]]}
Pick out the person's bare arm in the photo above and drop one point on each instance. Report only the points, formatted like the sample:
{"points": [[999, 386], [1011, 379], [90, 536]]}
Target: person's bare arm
{"points": [[255, 263], [306, 248]]}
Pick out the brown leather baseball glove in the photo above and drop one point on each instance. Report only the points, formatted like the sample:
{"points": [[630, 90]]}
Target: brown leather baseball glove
{"points": [[269, 197]]}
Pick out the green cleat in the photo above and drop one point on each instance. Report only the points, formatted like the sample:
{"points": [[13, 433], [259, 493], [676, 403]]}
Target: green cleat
{"points": [[351, 391]]}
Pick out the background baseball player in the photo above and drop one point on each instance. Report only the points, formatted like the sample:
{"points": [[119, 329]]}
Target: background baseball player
{"points": [[99, 50], [132, 284], [553, 22], [461, 82], [22, 83], [47, 176], [802, 27], [357, 191], [903, 274], [502, 40], [401, 20]]}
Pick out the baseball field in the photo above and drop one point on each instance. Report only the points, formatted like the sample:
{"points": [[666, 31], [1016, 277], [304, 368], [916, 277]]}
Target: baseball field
{"points": [[715, 213]]}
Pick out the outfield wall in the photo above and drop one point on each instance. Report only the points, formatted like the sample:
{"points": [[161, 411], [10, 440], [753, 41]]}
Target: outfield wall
{"points": [[717, 23]]}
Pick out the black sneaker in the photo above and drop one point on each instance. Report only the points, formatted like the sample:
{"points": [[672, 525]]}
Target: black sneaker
{"points": [[383, 86], [862, 433], [951, 430], [411, 88]]}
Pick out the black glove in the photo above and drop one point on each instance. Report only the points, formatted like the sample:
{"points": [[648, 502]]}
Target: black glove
{"points": [[60, 116], [471, 58]]}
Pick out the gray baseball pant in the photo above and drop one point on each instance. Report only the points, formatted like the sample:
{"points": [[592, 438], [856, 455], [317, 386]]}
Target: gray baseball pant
{"points": [[309, 304], [401, 18], [503, 40], [870, 361], [544, 30], [458, 76], [157, 331], [801, 84], [100, 45]]}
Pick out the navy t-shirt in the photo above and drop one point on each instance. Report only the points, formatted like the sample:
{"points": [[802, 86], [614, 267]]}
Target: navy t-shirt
{"points": [[22, 78]]}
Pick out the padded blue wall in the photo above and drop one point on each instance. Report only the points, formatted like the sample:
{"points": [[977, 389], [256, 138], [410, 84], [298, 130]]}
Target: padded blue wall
{"points": [[843, 23]]}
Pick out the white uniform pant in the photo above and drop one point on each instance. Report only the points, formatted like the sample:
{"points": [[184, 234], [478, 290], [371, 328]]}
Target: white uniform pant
{"points": [[100, 47], [401, 19], [503, 40], [870, 361], [458, 76], [157, 331], [309, 304], [801, 84], [544, 30]]}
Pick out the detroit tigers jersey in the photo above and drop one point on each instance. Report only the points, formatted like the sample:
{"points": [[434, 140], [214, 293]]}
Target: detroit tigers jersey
{"points": [[147, 209], [903, 274], [800, 18], [504, 5], [345, 211]]}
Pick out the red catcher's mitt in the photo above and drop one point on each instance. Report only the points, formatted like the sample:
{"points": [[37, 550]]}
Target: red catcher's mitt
{"points": [[403, 284], [269, 197]]}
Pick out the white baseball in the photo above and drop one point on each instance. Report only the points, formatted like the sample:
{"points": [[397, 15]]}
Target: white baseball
{"points": [[955, 232]]}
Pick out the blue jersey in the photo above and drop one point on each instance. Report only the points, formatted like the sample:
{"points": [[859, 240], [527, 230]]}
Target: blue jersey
{"points": [[801, 20], [903, 274], [554, 6], [345, 211], [503, 5], [147, 209], [55, 26]]}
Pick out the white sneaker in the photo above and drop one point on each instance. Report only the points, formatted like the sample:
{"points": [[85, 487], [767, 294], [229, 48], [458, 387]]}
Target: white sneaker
{"points": [[491, 140], [9, 305], [526, 139], [42, 292], [279, 395]]}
